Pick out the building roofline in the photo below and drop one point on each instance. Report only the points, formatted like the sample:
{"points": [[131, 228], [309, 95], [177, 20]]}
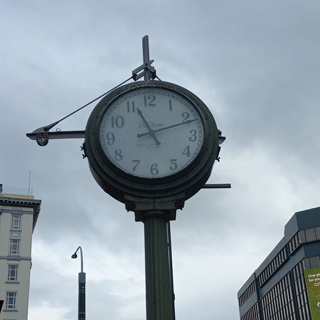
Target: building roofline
{"points": [[299, 221], [22, 201]]}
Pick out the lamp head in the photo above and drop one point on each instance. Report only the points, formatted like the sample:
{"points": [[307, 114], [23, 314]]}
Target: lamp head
{"points": [[220, 137], [74, 256]]}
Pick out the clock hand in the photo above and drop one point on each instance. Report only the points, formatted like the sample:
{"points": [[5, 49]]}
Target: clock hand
{"points": [[165, 128], [150, 131]]}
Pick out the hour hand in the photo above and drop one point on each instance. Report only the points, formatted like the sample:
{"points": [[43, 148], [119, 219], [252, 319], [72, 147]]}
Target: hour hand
{"points": [[150, 131]]}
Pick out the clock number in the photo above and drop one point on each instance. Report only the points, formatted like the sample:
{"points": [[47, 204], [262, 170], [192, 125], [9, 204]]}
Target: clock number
{"points": [[170, 105], [131, 107], [117, 121], [154, 169], [135, 164], [173, 164], [111, 138], [185, 116], [193, 133], [118, 155], [186, 151], [149, 100]]}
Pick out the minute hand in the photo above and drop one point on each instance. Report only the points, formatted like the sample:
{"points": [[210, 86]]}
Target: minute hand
{"points": [[139, 135]]}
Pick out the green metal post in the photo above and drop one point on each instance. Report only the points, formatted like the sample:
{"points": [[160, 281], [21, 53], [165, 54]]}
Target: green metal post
{"points": [[159, 296]]}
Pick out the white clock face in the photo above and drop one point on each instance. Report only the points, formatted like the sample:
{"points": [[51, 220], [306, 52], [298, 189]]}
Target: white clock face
{"points": [[151, 132]]}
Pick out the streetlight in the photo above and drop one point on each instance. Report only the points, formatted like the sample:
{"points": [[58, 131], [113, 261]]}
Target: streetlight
{"points": [[82, 288]]}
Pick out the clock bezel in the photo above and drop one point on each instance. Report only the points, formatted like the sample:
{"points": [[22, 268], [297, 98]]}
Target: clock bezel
{"points": [[119, 183]]}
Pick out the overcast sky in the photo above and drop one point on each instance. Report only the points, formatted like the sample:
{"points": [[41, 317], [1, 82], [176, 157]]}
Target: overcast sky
{"points": [[254, 63]]}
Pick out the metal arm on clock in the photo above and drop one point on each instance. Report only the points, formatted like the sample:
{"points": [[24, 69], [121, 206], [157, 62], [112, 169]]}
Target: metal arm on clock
{"points": [[43, 134]]}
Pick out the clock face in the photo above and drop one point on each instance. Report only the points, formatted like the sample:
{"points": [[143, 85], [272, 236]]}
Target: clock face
{"points": [[151, 132]]}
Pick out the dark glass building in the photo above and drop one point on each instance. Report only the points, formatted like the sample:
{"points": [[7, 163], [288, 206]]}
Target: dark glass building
{"points": [[286, 286]]}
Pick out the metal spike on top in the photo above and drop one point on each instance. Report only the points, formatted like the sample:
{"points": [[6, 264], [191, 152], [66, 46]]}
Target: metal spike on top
{"points": [[146, 70]]}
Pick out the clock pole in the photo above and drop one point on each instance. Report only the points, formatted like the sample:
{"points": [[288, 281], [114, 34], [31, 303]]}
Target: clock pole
{"points": [[158, 269], [156, 216], [157, 238]]}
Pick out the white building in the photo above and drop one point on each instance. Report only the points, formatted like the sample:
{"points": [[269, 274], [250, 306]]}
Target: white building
{"points": [[18, 217]]}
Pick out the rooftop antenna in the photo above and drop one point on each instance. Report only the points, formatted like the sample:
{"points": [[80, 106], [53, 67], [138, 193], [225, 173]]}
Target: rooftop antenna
{"points": [[29, 184]]}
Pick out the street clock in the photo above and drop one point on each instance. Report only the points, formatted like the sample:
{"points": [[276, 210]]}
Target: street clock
{"points": [[151, 140], [151, 145]]}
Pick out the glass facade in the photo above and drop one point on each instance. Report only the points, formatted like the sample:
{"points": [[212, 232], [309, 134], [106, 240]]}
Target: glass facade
{"points": [[287, 300], [287, 285], [247, 293], [278, 303], [301, 291], [274, 265], [252, 313]]}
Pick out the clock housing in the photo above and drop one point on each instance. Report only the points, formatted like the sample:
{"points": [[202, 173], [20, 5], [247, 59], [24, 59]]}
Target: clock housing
{"points": [[151, 140]]}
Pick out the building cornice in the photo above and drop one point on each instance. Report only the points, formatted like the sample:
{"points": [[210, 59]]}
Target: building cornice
{"points": [[22, 201]]}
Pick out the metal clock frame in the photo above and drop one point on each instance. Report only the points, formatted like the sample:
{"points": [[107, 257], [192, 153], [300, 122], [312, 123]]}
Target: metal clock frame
{"points": [[123, 186]]}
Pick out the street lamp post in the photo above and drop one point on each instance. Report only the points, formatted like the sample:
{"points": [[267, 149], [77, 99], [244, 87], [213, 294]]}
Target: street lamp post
{"points": [[82, 288]]}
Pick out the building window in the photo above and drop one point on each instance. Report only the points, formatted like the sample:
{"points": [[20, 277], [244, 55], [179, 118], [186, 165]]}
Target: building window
{"points": [[310, 234], [14, 246], [252, 313], [16, 222], [247, 293], [273, 266], [277, 303], [301, 291], [11, 300], [13, 273]]}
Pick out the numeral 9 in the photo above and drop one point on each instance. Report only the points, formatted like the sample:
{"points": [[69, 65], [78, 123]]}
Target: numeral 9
{"points": [[110, 138]]}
